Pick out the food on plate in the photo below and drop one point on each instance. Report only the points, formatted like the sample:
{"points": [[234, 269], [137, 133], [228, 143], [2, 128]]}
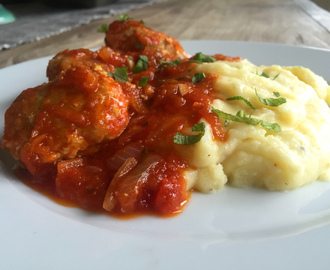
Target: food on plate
{"points": [[276, 121], [136, 125], [65, 117]]}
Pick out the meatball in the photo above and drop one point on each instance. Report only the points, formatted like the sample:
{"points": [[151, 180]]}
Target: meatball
{"points": [[19, 119], [133, 36], [64, 118], [106, 57]]}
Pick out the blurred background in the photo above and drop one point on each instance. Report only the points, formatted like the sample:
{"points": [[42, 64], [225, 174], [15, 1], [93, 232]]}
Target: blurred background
{"points": [[65, 3], [25, 21], [323, 4]]}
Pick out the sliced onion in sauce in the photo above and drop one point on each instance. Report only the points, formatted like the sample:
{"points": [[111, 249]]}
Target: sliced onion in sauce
{"points": [[110, 200], [128, 183], [118, 159]]}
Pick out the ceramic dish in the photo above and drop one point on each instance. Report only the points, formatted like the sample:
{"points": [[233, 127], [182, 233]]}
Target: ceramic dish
{"points": [[232, 229]]}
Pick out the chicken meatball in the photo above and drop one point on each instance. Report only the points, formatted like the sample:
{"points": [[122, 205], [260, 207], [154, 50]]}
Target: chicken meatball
{"points": [[68, 116], [133, 36], [106, 57]]}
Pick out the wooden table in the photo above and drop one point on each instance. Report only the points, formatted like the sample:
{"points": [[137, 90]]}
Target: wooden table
{"points": [[297, 22]]}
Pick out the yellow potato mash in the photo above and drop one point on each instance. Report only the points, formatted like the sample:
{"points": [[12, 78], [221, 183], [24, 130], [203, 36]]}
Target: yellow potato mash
{"points": [[252, 155]]}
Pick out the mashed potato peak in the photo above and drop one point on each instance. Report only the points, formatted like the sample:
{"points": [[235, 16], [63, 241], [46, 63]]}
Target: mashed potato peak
{"points": [[253, 156]]}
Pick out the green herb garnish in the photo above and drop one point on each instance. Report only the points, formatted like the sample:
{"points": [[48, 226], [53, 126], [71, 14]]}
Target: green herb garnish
{"points": [[274, 102], [239, 117], [191, 139], [276, 76], [141, 65], [120, 74], [276, 94], [198, 77], [103, 29], [172, 63], [271, 126], [242, 118], [243, 99], [263, 74], [202, 58], [123, 18], [139, 45], [144, 81], [153, 46]]}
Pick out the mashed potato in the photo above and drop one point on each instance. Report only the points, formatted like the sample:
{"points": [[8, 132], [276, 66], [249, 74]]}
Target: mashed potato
{"points": [[253, 156]]}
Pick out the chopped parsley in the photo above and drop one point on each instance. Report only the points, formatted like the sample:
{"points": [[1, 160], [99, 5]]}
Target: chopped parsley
{"points": [[198, 77], [202, 58], [103, 29], [120, 74], [274, 102], [141, 65], [191, 139]]}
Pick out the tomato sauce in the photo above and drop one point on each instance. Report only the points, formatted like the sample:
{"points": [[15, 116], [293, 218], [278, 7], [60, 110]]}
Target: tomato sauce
{"points": [[84, 181], [140, 171]]}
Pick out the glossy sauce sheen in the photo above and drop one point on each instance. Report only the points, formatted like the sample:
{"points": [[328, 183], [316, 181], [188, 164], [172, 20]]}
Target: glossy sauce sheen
{"points": [[84, 181], [140, 171]]}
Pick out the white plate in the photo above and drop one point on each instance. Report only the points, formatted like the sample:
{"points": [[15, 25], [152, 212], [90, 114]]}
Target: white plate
{"points": [[233, 229]]}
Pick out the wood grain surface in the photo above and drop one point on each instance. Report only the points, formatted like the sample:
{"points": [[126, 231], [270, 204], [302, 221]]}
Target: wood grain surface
{"points": [[295, 22]]}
